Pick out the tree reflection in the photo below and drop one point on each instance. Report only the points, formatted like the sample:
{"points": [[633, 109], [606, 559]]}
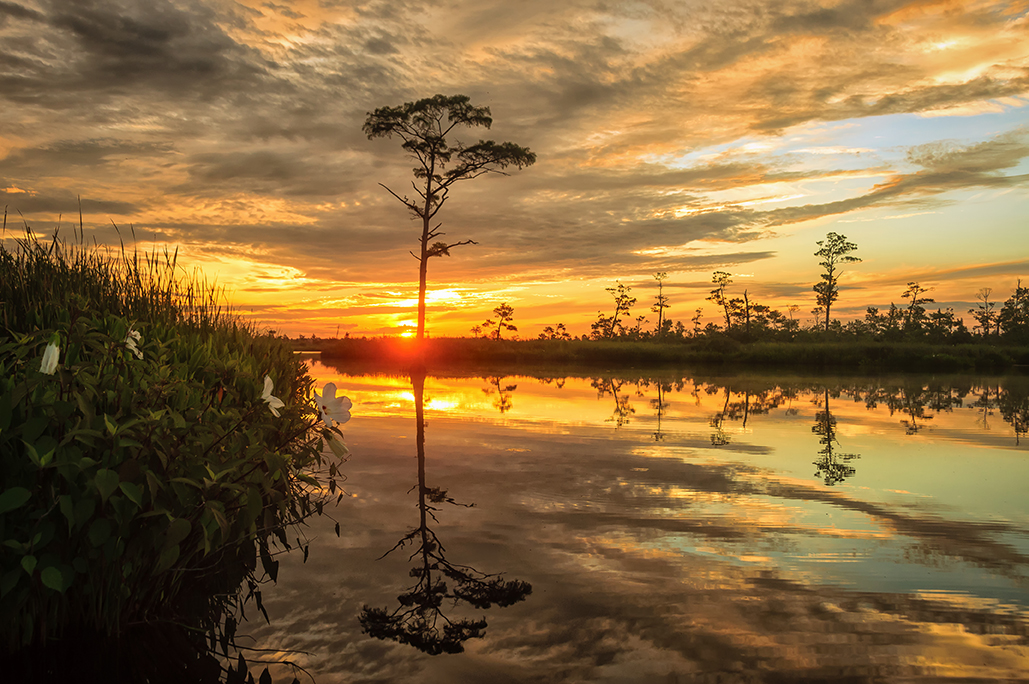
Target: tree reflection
{"points": [[1014, 408], [420, 620], [623, 409], [502, 401], [719, 437], [831, 466], [986, 402], [659, 405]]}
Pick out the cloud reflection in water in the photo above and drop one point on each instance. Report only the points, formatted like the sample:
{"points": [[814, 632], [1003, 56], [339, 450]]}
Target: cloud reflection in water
{"points": [[676, 559]]}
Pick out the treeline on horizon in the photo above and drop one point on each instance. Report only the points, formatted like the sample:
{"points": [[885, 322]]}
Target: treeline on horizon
{"points": [[909, 337], [744, 320]]}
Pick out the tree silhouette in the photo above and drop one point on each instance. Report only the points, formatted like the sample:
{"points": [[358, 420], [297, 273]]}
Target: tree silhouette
{"points": [[423, 126], [660, 303], [1014, 315], [419, 621], [504, 314], [722, 280], [984, 313], [835, 251], [914, 317], [605, 327], [555, 333]]}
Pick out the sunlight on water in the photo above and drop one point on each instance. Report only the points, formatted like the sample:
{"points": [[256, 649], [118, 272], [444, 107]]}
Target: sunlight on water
{"points": [[677, 527]]}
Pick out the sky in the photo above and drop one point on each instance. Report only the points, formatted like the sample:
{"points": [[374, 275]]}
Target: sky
{"points": [[680, 137]]}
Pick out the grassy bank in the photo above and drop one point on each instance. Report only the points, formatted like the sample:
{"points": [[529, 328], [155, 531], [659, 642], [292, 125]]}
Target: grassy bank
{"points": [[157, 454], [476, 352]]}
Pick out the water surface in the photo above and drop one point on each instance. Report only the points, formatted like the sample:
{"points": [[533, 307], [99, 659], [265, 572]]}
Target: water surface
{"points": [[679, 529]]}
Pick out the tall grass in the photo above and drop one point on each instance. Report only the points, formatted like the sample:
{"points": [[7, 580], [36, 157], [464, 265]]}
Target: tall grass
{"points": [[40, 276]]}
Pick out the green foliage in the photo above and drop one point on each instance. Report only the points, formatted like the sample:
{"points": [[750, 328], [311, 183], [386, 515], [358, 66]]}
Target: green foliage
{"points": [[141, 488]]}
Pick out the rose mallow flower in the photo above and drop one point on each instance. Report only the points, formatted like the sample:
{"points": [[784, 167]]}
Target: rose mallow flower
{"points": [[333, 409], [274, 403], [131, 340], [50, 356]]}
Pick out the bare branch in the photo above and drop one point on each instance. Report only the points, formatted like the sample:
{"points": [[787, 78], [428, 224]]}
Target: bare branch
{"points": [[406, 202]]}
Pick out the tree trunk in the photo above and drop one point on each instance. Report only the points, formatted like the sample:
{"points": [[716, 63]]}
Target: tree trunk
{"points": [[423, 260]]}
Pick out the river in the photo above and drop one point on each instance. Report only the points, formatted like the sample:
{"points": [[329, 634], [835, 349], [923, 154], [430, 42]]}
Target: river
{"points": [[664, 527]]}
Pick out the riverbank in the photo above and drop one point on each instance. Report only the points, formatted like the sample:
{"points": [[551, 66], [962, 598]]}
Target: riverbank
{"points": [[158, 455], [442, 353]]}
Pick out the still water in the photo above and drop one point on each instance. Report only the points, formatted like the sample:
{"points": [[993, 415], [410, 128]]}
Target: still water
{"points": [[673, 529]]}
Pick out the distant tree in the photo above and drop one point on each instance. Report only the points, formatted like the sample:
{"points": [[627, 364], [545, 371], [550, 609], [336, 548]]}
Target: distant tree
{"points": [[504, 314], [914, 316], [605, 327], [423, 126], [555, 333], [817, 314], [696, 322], [718, 296], [1014, 315], [983, 313], [737, 309], [835, 251], [944, 325], [661, 303]]}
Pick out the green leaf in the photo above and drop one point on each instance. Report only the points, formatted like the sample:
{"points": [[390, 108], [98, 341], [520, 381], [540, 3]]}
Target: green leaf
{"points": [[13, 498], [52, 578], [84, 511], [110, 425], [99, 532], [166, 559], [9, 581], [29, 563], [178, 530], [153, 484], [106, 482], [133, 492], [254, 504], [6, 409], [338, 448], [67, 509]]}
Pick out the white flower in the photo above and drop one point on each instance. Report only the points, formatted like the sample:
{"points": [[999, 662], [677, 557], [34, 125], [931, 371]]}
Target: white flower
{"points": [[334, 410], [50, 356], [274, 403], [131, 340]]}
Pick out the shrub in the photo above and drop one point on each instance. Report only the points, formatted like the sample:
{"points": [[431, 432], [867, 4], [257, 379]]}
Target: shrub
{"points": [[146, 476]]}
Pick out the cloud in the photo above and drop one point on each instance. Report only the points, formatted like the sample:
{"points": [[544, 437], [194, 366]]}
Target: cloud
{"points": [[656, 125]]}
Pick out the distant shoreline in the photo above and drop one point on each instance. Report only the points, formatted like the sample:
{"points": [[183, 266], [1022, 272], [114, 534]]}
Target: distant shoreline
{"points": [[444, 353]]}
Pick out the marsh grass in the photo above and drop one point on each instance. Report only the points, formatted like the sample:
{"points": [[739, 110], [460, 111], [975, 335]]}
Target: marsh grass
{"points": [[40, 276], [828, 355]]}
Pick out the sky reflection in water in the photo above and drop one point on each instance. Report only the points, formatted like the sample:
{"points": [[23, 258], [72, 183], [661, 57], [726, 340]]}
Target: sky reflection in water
{"points": [[673, 528]]}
